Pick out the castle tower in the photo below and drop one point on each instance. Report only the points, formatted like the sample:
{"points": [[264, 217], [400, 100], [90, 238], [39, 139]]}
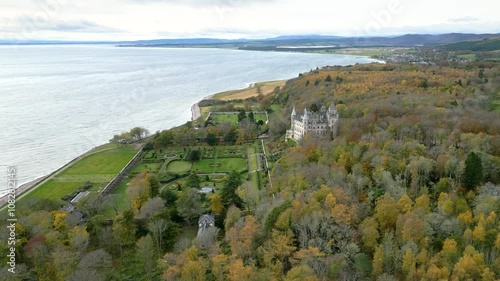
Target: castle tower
{"points": [[294, 114], [332, 109], [305, 120]]}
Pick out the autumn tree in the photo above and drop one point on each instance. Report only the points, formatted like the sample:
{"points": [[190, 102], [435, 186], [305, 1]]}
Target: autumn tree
{"points": [[139, 191], [216, 204], [386, 212], [370, 234], [241, 237], [138, 133]]}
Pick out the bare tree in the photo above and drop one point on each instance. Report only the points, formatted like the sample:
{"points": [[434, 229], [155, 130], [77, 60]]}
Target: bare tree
{"points": [[157, 228], [152, 206]]}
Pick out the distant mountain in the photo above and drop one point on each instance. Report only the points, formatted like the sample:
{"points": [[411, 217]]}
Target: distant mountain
{"points": [[187, 41], [429, 39], [303, 37], [289, 40], [477, 45]]}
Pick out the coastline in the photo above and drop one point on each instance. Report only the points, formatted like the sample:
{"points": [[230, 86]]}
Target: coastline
{"points": [[29, 186], [237, 94], [195, 108]]}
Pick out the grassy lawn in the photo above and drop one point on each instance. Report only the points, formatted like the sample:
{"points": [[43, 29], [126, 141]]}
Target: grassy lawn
{"points": [[254, 165], [151, 167], [119, 198], [99, 168], [230, 151], [467, 56], [54, 189], [105, 162], [179, 166], [252, 157], [220, 165], [276, 109]]}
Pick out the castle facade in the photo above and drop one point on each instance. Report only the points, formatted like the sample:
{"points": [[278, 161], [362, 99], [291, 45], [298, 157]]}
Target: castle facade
{"points": [[321, 123]]}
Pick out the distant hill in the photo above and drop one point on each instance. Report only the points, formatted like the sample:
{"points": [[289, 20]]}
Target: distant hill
{"points": [[275, 43], [478, 45]]}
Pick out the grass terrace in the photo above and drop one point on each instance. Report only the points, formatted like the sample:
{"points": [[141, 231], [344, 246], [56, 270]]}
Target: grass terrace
{"points": [[99, 168]]}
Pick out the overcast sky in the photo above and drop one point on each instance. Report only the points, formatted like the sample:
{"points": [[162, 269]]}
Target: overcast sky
{"points": [[153, 19]]}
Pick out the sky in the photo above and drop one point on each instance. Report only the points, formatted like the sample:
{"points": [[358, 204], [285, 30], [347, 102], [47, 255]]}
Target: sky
{"points": [[116, 20]]}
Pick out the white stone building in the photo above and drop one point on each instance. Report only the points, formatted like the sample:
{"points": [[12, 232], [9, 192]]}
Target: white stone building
{"points": [[318, 123]]}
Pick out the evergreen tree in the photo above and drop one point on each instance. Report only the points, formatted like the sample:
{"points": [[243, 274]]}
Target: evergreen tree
{"points": [[242, 115], [154, 185], [228, 192], [473, 174], [193, 181], [211, 139], [251, 117]]}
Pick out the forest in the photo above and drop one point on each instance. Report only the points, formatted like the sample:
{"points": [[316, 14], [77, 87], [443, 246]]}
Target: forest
{"points": [[408, 189]]}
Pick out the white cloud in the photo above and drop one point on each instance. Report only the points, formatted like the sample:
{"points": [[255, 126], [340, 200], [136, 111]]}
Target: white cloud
{"points": [[139, 19]]}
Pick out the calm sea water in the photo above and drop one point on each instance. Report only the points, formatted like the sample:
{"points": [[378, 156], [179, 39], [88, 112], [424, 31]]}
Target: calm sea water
{"points": [[57, 102]]}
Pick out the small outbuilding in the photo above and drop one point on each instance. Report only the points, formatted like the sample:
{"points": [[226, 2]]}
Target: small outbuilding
{"points": [[205, 222]]}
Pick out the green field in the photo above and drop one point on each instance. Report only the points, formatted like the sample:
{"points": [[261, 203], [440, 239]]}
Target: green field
{"points": [[179, 166], [150, 167], [254, 165], [54, 189], [220, 165], [106, 162], [119, 199], [231, 151], [99, 168]]}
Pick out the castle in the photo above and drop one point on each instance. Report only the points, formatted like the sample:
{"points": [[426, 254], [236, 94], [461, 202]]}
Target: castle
{"points": [[319, 123]]}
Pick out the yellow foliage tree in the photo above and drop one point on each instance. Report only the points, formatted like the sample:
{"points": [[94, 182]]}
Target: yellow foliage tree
{"points": [[378, 262], [238, 271], [466, 218], [470, 265], [216, 204], [423, 202], [219, 269], [193, 271], [369, 232], [404, 203], [60, 221], [479, 233], [386, 211], [241, 239], [409, 264]]}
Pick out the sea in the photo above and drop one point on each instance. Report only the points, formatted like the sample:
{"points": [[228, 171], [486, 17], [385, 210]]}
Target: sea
{"points": [[59, 101]]}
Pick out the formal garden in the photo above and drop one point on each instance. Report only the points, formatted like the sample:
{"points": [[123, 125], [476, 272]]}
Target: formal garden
{"points": [[173, 165]]}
